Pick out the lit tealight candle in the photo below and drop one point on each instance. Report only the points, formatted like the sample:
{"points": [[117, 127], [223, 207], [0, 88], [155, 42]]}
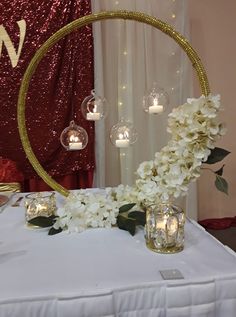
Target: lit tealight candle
{"points": [[156, 108], [93, 116], [121, 142], [75, 145]]}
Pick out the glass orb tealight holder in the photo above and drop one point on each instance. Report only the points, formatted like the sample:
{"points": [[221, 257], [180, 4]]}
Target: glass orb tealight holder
{"points": [[94, 107], [123, 134], [155, 101], [74, 137]]}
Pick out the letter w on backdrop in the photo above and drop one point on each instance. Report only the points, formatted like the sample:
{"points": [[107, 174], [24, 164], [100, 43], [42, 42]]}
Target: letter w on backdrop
{"points": [[14, 54]]}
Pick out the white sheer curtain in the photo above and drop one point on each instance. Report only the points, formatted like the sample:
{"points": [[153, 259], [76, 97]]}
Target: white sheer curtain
{"points": [[129, 57]]}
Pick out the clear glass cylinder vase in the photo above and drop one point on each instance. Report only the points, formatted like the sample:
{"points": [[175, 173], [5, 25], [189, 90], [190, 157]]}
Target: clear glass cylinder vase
{"points": [[164, 230]]}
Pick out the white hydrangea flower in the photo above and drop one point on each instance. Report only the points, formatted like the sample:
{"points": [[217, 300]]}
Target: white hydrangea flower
{"points": [[84, 209], [194, 129], [145, 169]]}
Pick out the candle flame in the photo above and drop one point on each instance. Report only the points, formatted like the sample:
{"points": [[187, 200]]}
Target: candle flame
{"points": [[95, 108], [74, 138], [155, 101], [126, 135]]}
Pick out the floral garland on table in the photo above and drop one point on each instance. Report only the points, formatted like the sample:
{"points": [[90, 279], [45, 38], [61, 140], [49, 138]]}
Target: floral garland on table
{"points": [[194, 129], [84, 209]]}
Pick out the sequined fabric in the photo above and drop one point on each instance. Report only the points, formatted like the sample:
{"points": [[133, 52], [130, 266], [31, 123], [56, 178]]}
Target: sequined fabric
{"points": [[61, 82], [9, 171]]}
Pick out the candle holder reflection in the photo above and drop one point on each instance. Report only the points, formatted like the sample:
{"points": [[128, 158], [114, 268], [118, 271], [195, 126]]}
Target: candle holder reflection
{"points": [[165, 228], [39, 204]]}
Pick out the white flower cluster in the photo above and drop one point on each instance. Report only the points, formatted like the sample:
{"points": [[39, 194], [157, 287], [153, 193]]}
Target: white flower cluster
{"points": [[194, 130], [86, 209], [123, 194]]}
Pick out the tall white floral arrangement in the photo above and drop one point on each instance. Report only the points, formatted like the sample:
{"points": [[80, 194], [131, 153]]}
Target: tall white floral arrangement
{"points": [[194, 129]]}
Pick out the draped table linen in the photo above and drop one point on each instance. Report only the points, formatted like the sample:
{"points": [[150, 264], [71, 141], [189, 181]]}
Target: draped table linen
{"points": [[107, 272]]}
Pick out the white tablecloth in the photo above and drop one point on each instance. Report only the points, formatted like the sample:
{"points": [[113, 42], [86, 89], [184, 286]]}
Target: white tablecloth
{"points": [[107, 272]]}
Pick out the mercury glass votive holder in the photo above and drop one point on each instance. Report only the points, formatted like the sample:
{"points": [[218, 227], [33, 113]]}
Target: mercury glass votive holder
{"points": [[39, 204], [164, 230]]}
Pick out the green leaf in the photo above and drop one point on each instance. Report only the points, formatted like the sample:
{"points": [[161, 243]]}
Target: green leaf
{"points": [[217, 154], [126, 207], [221, 184], [53, 231], [43, 222], [220, 171], [139, 217], [127, 224]]}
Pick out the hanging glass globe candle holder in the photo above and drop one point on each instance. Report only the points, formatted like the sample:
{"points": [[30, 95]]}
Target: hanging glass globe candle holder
{"points": [[155, 101], [123, 134], [74, 137], [94, 107]]}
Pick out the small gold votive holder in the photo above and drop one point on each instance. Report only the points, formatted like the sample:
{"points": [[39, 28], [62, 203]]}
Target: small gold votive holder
{"points": [[39, 204], [164, 230]]}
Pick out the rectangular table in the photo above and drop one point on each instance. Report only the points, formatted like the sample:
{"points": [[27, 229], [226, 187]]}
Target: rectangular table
{"points": [[107, 272]]}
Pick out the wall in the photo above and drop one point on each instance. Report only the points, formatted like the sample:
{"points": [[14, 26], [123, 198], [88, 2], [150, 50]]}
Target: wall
{"points": [[212, 25]]}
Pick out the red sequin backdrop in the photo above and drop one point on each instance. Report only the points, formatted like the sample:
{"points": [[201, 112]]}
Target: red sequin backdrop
{"points": [[62, 80]]}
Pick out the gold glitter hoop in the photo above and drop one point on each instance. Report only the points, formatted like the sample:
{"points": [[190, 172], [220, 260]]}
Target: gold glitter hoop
{"points": [[125, 15]]}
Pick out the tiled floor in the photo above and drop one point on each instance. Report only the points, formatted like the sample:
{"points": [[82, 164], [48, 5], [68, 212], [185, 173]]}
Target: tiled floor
{"points": [[226, 236]]}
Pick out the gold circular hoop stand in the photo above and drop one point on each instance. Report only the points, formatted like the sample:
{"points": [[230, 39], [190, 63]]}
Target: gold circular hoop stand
{"points": [[129, 15]]}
